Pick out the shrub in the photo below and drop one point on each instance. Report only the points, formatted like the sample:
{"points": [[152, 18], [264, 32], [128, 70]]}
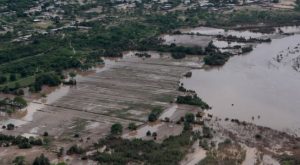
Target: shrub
{"points": [[178, 55], [258, 137], [207, 132], [247, 49], [19, 160], [190, 117], [60, 152], [216, 58], [3, 79], [41, 160], [192, 100], [46, 79], [116, 129], [74, 150], [148, 133], [20, 101], [132, 126], [204, 144], [10, 126], [12, 77], [153, 116], [24, 145], [45, 134]]}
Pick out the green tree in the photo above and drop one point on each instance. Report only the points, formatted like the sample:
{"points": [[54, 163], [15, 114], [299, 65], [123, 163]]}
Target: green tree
{"points": [[19, 160], [60, 152], [152, 117], [116, 129], [17, 85], [72, 75], [10, 126], [20, 101], [5, 89], [74, 150], [3, 79], [178, 55], [12, 77], [190, 117], [132, 126], [41, 160]]}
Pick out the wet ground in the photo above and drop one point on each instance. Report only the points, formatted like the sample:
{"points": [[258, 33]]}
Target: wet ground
{"points": [[124, 91]]}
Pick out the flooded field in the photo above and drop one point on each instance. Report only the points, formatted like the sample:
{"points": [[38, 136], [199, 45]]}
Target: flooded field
{"points": [[254, 87], [186, 40], [214, 31], [123, 91]]}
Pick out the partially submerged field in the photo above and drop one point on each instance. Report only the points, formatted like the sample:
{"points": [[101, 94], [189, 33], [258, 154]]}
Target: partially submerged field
{"points": [[124, 91]]}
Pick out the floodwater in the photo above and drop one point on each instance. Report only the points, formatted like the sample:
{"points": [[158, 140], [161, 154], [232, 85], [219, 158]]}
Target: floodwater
{"points": [[186, 40], [215, 31], [225, 44], [288, 29], [209, 31], [37, 105], [253, 87], [59, 92]]}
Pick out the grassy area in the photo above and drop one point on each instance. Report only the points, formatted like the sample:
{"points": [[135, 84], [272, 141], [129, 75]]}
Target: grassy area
{"points": [[23, 82]]}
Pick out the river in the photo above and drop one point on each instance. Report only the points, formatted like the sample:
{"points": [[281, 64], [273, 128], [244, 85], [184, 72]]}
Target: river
{"points": [[255, 87]]}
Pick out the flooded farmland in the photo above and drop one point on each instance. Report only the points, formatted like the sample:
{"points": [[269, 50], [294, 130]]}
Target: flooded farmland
{"points": [[255, 87]]}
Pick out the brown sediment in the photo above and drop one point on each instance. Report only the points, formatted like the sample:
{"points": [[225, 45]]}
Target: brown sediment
{"points": [[126, 92]]}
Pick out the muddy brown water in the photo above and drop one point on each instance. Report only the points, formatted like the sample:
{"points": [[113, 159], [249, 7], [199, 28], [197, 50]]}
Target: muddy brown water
{"points": [[254, 85], [215, 31], [238, 33]]}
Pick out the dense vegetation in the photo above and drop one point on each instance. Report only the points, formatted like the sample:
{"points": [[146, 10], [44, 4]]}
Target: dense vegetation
{"points": [[192, 100], [118, 31], [297, 8], [123, 151], [153, 116], [20, 141], [49, 79], [177, 55], [10, 105], [289, 159], [19, 6], [41, 160], [116, 129], [216, 58]]}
